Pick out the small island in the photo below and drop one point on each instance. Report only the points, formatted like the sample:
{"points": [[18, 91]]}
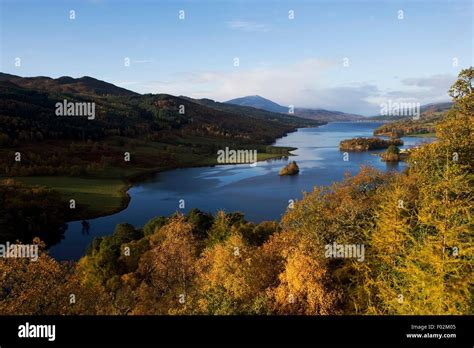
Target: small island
{"points": [[392, 154], [290, 169], [366, 144]]}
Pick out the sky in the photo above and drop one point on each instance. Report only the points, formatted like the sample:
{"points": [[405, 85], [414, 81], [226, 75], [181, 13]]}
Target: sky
{"points": [[349, 56]]}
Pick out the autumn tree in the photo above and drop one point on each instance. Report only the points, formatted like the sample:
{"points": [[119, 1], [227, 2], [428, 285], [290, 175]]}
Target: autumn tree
{"points": [[303, 281], [168, 269], [47, 287], [462, 92], [421, 242], [228, 278]]}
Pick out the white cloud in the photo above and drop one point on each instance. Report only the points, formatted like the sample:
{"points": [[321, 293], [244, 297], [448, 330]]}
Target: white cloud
{"points": [[248, 26], [309, 83], [349, 98], [423, 90], [433, 82], [283, 84]]}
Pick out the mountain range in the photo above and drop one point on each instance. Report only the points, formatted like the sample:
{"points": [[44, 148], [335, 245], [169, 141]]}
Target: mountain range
{"points": [[202, 111], [162, 130], [321, 115]]}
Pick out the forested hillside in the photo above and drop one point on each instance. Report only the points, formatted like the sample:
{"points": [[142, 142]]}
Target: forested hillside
{"points": [[407, 125], [155, 128]]}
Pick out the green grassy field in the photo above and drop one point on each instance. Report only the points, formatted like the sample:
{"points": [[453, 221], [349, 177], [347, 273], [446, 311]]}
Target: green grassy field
{"points": [[100, 196]]}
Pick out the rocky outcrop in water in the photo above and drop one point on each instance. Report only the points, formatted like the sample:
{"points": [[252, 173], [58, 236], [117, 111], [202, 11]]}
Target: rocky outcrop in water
{"points": [[290, 169]]}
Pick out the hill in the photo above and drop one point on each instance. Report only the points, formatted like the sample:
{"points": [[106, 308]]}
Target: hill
{"points": [[28, 114], [327, 116], [430, 115], [258, 102], [427, 109], [319, 115], [65, 84]]}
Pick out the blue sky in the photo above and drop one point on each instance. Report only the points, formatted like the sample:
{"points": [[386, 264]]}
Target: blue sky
{"points": [[291, 61]]}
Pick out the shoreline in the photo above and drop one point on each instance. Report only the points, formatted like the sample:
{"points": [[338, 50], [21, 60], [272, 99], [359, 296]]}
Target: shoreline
{"points": [[142, 177], [130, 181]]}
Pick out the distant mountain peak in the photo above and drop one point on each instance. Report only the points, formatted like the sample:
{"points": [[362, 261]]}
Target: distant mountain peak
{"points": [[259, 102]]}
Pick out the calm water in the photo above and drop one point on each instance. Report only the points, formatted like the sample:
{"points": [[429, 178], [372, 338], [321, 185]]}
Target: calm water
{"points": [[258, 192]]}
